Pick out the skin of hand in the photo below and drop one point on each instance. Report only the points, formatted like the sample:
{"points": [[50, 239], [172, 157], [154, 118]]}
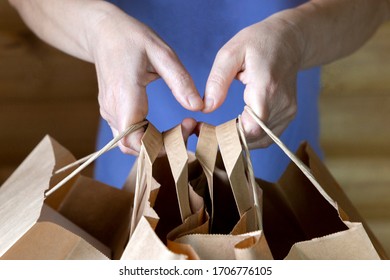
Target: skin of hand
{"points": [[127, 55], [267, 56]]}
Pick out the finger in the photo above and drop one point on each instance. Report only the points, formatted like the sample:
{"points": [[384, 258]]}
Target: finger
{"points": [[122, 105], [131, 110], [131, 143], [122, 147], [255, 97], [188, 126], [277, 124], [227, 64], [168, 66], [264, 141]]}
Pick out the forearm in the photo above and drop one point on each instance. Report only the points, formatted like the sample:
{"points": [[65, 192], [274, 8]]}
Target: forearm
{"points": [[127, 55], [331, 29], [64, 24]]}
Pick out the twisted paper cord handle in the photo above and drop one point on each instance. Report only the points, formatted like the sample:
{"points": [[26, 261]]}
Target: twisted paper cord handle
{"points": [[90, 158]]}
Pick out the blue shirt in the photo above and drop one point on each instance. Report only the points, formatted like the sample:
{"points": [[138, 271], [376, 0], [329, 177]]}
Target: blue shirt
{"points": [[196, 30]]}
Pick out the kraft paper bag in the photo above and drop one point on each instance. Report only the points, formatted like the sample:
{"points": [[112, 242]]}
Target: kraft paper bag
{"points": [[180, 209], [235, 230], [307, 215], [300, 223], [85, 219], [174, 207], [206, 205], [163, 198], [301, 220]]}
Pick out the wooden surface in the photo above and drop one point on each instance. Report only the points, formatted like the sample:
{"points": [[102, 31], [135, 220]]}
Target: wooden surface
{"points": [[355, 115], [43, 91]]}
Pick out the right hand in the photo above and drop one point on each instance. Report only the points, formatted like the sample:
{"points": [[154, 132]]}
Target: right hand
{"points": [[128, 56]]}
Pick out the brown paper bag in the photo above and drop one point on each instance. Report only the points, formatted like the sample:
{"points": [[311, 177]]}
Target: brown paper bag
{"points": [[179, 211], [301, 224], [301, 220], [308, 216], [236, 232], [85, 219], [163, 199], [162, 213]]}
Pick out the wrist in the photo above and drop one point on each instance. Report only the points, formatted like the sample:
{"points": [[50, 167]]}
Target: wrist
{"points": [[112, 31], [293, 33], [286, 28], [331, 29], [99, 30]]}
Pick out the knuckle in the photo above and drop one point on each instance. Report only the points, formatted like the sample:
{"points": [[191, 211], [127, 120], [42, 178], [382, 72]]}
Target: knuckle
{"points": [[290, 106], [271, 87], [292, 110], [140, 114], [226, 53], [265, 142], [125, 148], [103, 113]]}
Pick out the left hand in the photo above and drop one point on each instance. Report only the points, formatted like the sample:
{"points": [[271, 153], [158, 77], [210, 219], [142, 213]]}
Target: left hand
{"points": [[266, 58]]}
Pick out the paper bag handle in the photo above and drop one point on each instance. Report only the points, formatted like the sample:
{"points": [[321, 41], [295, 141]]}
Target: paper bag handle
{"points": [[151, 145], [250, 174], [176, 151], [231, 152], [92, 157], [206, 153], [306, 171]]}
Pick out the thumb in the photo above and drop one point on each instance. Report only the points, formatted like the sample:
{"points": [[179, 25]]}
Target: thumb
{"points": [[168, 66], [226, 65]]}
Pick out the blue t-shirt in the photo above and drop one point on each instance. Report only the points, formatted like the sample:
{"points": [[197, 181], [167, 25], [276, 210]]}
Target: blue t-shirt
{"points": [[196, 30]]}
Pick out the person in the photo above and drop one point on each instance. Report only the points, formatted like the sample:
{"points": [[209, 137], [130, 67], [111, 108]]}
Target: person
{"points": [[154, 58]]}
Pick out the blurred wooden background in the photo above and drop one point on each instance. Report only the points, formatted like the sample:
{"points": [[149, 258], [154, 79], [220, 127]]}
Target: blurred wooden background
{"points": [[43, 91], [355, 116]]}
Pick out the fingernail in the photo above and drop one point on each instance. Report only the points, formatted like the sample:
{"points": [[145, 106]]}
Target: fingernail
{"points": [[208, 104], [195, 102]]}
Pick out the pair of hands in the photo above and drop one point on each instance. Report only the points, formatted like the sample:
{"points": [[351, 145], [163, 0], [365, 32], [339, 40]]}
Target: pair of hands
{"points": [[128, 56]]}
